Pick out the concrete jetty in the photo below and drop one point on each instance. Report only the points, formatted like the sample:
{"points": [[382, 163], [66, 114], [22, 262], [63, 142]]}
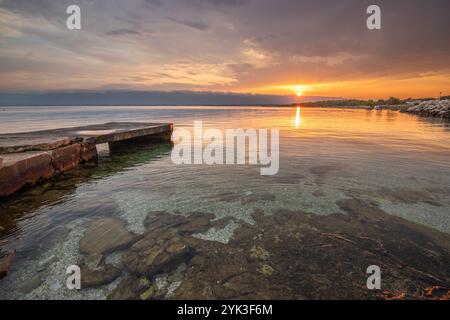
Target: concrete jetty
{"points": [[27, 158]]}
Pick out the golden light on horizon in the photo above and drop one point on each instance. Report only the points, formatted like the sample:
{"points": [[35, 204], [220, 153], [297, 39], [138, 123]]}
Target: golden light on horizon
{"points": [[298, 90]]}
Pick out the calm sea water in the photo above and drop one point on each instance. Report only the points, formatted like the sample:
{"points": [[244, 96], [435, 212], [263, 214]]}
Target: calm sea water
{"points": [[394, 166]]}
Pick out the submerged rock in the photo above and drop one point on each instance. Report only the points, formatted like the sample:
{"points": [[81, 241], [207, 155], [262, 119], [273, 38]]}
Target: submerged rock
{"points": [[30, 284], [157, 252], [132, 287], [5, 264], [105, 235], [297, 255], [161, 220], [258, 197], [95, 272]]}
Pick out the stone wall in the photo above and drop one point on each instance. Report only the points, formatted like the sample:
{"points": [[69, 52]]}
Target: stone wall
{"points": [[432, 108]]}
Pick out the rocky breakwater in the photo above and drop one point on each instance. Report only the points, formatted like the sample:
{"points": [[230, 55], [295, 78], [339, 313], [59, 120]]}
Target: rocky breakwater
{"points": [[431, 108]]}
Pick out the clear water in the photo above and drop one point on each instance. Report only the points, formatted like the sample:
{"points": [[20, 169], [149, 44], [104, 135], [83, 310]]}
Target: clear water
{"points": [[395, 162]]}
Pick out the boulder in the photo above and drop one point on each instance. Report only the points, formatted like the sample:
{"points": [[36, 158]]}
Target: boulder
{"points": [[105, 235]]}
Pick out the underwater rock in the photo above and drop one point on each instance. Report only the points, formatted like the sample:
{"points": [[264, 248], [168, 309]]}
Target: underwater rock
{"points": [[258, 252], [162, 220], [437, 292], [297, 255], [228, 196], [157, 252], [408, 196], [105, 235], [325, 169], [318, 193], [266, 270], [34, 282], [95, 272], [133, 288], [5, 264], [258, 197], [287, 178]]}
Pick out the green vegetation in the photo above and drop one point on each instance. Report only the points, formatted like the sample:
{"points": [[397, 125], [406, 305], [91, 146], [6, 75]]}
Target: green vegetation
{"points": [[392, 101]]}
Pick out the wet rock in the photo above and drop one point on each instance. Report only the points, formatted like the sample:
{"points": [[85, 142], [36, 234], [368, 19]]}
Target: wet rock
{"points": [[105, 235], [5, 264], [157, 252], [95, 272]]}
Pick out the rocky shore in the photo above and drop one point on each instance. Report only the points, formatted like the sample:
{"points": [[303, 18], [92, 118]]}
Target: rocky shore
{"points": [[431, 108], [287, 255]]}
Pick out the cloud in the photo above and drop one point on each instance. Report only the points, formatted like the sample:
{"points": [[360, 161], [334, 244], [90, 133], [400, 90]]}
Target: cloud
{"points": [[226, 44], [197, 25], [120, 32]]}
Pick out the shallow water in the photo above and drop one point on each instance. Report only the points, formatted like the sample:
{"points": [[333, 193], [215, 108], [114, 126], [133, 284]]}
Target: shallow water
{"points": [[393, 166]]}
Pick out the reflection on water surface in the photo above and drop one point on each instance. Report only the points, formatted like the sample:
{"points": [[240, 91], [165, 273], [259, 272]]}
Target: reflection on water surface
{"points": [[355, 188]]}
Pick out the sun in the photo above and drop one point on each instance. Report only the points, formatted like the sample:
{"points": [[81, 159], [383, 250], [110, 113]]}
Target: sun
{"points": [[298, 90]]}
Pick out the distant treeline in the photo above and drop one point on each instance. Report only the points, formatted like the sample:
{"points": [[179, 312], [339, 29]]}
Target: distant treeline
{"points": [[355, 102], [392, 101]]}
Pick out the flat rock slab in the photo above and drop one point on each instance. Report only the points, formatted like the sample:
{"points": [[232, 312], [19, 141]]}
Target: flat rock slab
{"points": [[105, 235], [44, 140]]}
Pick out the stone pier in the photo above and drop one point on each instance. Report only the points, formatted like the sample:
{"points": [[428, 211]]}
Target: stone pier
{"points": [[30, 157]]}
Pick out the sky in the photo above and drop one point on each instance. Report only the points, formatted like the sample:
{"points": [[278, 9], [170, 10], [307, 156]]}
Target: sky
{"points": [[275, 47]]}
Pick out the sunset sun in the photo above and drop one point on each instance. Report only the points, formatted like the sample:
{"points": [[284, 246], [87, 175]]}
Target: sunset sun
{"points": [[298, 90]]}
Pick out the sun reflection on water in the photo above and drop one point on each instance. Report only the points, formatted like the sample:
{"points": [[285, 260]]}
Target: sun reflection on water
{"points": [[297, 118]]}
